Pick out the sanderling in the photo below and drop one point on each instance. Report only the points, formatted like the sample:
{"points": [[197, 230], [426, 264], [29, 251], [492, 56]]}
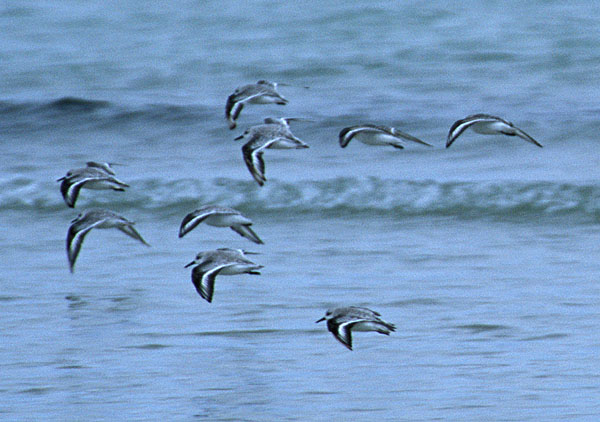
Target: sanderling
{"points": [[342, 321], [223, 261], [376, 135], [262, 92], [219, 217], [486, 125], [99, 219], [273, 134], [94, 176]]}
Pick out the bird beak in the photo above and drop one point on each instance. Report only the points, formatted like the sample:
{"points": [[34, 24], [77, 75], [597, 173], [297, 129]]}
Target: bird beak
{"points": [[61, 179], [190, 264], [238, 138], [322, 319]]}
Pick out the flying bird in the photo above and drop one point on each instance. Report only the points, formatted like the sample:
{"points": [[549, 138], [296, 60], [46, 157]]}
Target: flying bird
{"points": [[94, 176], [342, 321], [487, 125], [223, 261], [219, 217], [273, 134], [376, 135], [262, 92], [99, 219]]}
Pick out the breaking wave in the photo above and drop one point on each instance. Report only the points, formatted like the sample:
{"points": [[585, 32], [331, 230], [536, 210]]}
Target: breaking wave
{"points": [[340, 195]]}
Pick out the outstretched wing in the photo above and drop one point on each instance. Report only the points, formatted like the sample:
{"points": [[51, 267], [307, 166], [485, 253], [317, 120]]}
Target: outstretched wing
{"points": [[408, 137], [521, 134], [233, 109], [204, 281], [342, 331], [347, 133], [255, 163], [130, 231], [70, 190], [245, 231], [75, 236], [192, 220]]}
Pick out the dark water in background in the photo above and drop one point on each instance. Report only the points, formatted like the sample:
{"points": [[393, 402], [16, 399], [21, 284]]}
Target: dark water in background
{"points": [[484, 255]]}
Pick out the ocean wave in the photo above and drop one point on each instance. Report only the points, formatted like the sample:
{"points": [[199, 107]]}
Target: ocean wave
{"points": [[75, 112], [344, 196]]}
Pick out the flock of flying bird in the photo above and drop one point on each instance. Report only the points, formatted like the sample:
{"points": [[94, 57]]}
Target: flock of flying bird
{"points": [[272, 134]]}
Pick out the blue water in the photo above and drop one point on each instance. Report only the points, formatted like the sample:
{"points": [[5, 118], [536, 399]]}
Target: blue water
{"points": [[484, 255]]}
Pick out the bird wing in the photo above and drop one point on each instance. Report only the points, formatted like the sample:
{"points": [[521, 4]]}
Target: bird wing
{"points": [[365, 314], [130, 231], [244, 230], [254, 161], [521, 134], [347, 133], [194, 218], [342, 331], [75, 238], [408, 137], [105, 167], [232, 110], [70, 190], [204, 281]]}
